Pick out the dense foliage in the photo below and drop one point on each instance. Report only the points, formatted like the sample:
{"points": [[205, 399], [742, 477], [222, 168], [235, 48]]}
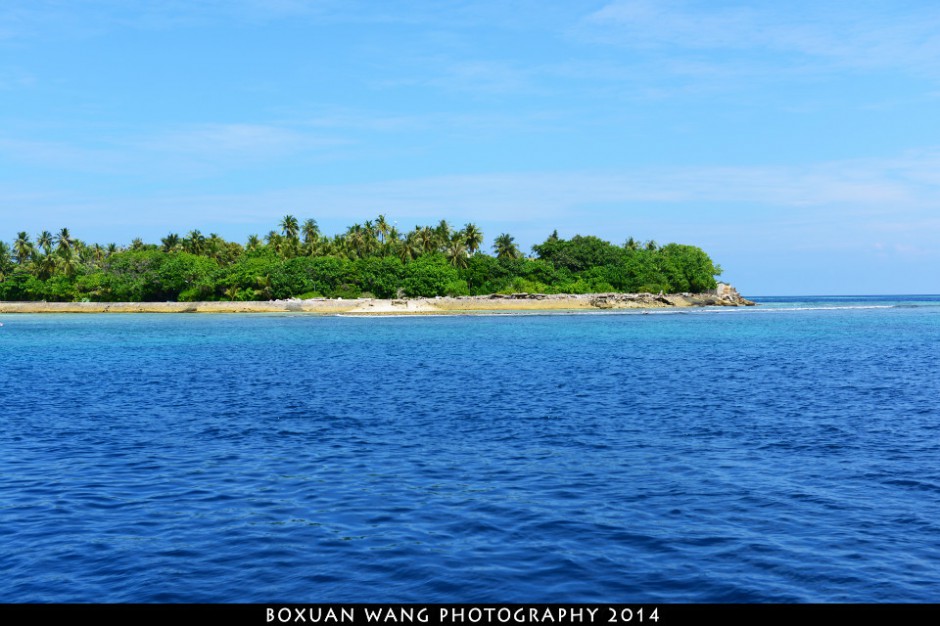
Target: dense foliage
{"points": [[368, 259]]}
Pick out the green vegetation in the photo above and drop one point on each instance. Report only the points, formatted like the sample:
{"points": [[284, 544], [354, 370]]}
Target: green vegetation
{"points": [[373, 258]]}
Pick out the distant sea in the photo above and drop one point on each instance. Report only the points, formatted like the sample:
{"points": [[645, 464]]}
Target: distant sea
{"points": [[788, 452]]}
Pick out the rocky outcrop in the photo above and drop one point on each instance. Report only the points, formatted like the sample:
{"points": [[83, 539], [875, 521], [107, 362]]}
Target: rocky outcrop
{"points": [[629, 301], [648, 300]]}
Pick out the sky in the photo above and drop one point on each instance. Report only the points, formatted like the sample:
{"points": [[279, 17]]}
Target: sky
{"points": [[798, 143]]}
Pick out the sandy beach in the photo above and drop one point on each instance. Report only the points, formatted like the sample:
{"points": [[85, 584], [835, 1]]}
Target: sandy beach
{"points": [[403, 306]]}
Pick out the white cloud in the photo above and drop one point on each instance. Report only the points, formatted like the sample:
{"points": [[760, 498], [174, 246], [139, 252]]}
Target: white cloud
{"points": [[191, 151], [893, 191], [852, 35]]}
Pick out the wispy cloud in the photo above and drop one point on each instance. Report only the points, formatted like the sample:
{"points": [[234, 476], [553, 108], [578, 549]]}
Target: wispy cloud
{"points": [[859, 35], [190, 151], [232, 142], [900, 193]]}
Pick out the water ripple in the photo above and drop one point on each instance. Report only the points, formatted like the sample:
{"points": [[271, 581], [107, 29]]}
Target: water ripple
{"points": [[708, 457]]}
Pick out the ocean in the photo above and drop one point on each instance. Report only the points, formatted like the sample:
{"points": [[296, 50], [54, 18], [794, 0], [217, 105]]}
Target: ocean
{"points": [[788, 452]]}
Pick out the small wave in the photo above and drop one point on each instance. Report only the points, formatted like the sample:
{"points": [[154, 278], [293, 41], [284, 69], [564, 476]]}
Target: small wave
{"points": [[826, 308]]}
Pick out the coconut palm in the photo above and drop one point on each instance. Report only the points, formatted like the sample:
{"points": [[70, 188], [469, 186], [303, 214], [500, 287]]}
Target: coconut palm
{"points": [[85, 253], [632, 244], [356, 240], [427, 239], [45, 266], [442, 234], [408, 249], [506, 248], [382, 227], [275, 241], [67, 262], [64, 239], [473, 238], [457, 251], [290, 227], [195, 242], [215, 246], [44, 241], [337, 246], [6, 261], [310, 231], [651, 245], [171, 243], [253, 243], [22, 248]]}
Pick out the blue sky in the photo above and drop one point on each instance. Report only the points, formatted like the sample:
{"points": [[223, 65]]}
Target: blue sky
{"points": [[797, 142]]}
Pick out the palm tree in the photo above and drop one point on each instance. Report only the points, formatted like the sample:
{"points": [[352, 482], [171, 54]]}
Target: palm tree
{"points": [[427, 238], [632, 244], [85, 253], [290, 227], [171, 242], [473, 238], [356, 239], [409, 249], [195, 242], [215, 246], [311, 232], [22, 248], [67, 262], [253, 243], [651, 245], [137, 244], [6, 262], [45, 241], [382, 227], [457, 251], [112, 249], [337, 246], [275, 241], [506, 248], [65, 239], [45, 266]]}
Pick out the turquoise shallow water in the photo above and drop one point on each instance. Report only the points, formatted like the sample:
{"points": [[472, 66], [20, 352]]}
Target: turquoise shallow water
{"points": [[784, 453]]}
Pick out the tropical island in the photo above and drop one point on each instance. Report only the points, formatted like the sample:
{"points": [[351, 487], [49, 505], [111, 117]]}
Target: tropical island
{"points": [[371, 267]]}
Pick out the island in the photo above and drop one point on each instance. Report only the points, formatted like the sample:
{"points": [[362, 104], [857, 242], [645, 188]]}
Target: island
{"points": [[371, 268]]}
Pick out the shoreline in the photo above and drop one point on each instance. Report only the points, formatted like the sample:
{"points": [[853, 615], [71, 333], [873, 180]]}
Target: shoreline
{"points": [[400, 306]]}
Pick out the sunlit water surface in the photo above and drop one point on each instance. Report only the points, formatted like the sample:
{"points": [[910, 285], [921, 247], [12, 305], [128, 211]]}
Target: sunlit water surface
{"points": [[787, 452]]}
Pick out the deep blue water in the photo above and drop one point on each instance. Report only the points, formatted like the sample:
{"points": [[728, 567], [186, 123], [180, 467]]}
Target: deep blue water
{"points": [[784, 453]]}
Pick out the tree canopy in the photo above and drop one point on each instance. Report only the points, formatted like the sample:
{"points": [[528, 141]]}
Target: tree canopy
{"points": [[369, 259]]}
